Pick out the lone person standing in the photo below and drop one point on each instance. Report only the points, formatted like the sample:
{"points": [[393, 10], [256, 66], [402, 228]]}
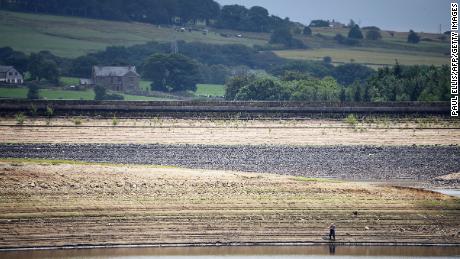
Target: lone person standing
{"points": [[332, 232]]}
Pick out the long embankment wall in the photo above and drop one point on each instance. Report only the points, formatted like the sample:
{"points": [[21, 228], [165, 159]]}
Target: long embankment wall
{"points": [[219, 108]]}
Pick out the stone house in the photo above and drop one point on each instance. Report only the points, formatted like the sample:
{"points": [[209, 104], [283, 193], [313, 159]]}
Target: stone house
{"points": [[116, 78], [10, 75]]}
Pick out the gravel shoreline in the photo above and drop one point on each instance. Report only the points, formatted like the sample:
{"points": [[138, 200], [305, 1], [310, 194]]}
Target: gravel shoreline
{"points": [[345, 162]]}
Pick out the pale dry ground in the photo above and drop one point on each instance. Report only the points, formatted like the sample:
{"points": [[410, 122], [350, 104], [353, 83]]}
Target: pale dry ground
{"points": [[232, 132], [45, 203]]}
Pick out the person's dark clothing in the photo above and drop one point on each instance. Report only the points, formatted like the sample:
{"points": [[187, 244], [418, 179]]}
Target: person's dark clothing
{"points": [[332, 232]]}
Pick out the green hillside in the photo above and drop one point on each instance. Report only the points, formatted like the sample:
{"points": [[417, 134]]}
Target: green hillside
{"points": [[374, 57], [432, 50], [72, 37]]}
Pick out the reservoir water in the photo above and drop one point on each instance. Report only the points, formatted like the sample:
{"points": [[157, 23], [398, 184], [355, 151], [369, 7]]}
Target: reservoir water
{"points": [[294, 252]]}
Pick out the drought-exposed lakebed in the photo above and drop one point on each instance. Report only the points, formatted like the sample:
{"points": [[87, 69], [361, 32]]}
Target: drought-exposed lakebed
{"points": [[226, 182], [344, 162], [68, 204]]}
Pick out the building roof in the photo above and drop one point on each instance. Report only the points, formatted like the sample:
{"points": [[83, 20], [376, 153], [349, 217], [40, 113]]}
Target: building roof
{"points": [[113, 71], [4, 69]]}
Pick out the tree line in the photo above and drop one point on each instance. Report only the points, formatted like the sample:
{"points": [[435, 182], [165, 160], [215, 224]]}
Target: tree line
{"points": [[397, 83], [234, 17], [235, 66]]}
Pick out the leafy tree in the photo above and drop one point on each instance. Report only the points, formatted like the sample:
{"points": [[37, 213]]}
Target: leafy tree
{"points": [[327, 60], [153, 11], [413, 37], [373, 35], [410, 83], [357, 91], [304, 90], [229, 55], [49, 71], [343, 95], [284, 36], [346, 41], [17, 59], [171, 72], [32, 93], [100, 93], [294, 76], [264, 89], [257, 20], [312, 89], [214, 74], [313, 68], [355, 32], [234, 17], [319, 23], [281, 36], [348, 73], [82, 66], [372, 28], [35, 62], [328, 89], [339, 38], [351, 23], [42, 68], [114, 97], [235, 83], [306, 31], [231, 16]]}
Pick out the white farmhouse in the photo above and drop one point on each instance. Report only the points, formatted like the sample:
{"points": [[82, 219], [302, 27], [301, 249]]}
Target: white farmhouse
{"points": [[10, 75]]}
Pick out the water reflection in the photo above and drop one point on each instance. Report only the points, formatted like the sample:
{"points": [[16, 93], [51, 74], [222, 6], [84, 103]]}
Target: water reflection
{"points": [[260, 252], [332, 248]]}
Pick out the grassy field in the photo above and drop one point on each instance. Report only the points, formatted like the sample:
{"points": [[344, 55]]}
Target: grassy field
{"points": [[58, 94], [368, 56], [203, 90], [73, 37], [323, 37], [210, 90], [69, 80], [393, 46], [44, 203]]}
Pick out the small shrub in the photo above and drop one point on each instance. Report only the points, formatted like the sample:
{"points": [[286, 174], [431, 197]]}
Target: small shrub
{"points": [[49, 111], [373, 35], [32, 93], [114, 121], [33, 110], [114, 97], [413, 37], [351, 120], [20, 118], [77, 121]]}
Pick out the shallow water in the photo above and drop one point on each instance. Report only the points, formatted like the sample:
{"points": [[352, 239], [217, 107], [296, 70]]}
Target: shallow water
{"points": [[450, 192], [243, 252]]}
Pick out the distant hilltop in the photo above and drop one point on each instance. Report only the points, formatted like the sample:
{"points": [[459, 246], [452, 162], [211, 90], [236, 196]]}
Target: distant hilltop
{"points": [[178, 12]]}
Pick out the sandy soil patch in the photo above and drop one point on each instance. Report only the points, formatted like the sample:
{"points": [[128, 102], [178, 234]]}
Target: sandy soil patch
{"points": [[231, 132], [45, 204]]}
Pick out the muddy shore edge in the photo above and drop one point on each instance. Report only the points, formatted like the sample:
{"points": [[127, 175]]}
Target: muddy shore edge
{"points": [[231, 244]]}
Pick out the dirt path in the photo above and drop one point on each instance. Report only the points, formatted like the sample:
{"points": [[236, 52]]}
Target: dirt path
{"points": [[231, 132], [53, 204]]}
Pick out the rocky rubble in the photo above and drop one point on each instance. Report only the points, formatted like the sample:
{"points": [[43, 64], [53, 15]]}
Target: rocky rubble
{"points": [[347, 162]]}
